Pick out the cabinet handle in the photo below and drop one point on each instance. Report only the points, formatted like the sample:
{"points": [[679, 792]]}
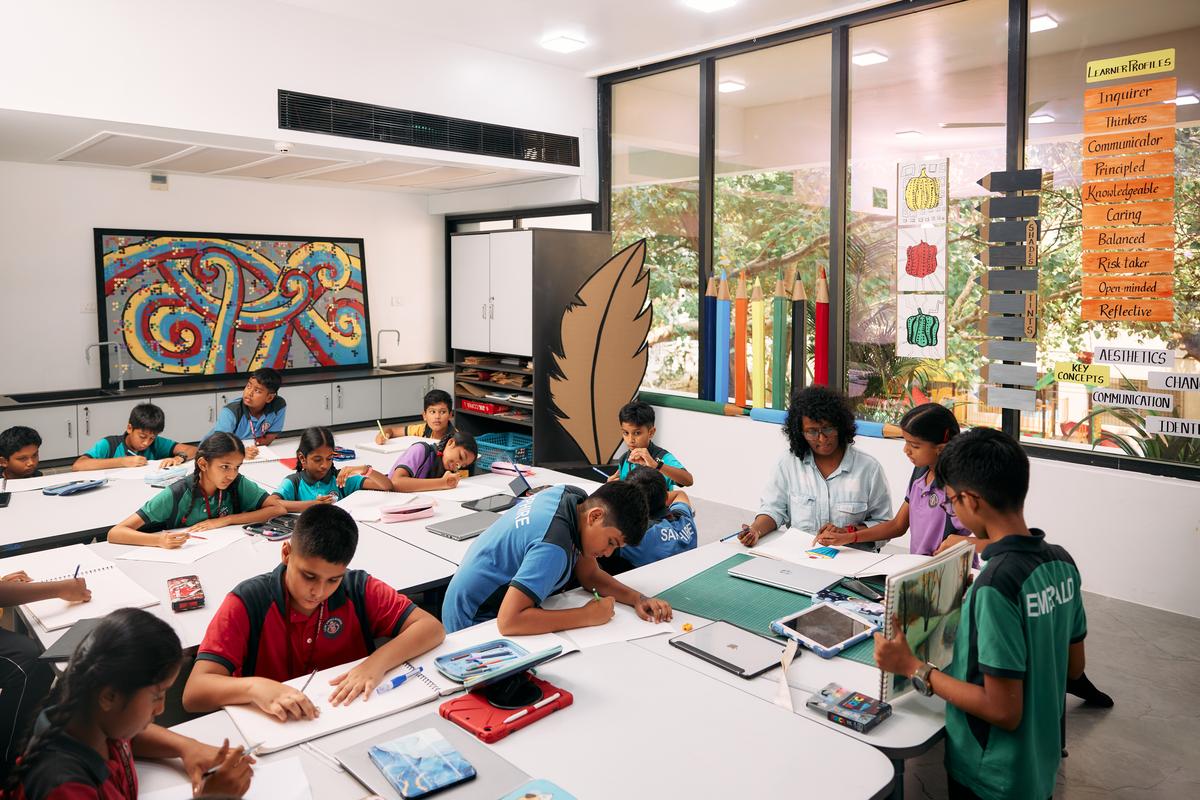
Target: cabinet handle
{"points": [[339, 392], [87, 421], [70, 435], [492, 309], [326, 402], [210, 414], [483, 311]]}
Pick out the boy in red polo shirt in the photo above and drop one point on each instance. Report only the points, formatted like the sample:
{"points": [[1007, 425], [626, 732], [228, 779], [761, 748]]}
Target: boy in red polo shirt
{"points": [[310, 612]]}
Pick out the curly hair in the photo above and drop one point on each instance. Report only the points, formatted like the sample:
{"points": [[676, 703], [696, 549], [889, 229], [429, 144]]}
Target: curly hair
{"points": [[819, 404]]}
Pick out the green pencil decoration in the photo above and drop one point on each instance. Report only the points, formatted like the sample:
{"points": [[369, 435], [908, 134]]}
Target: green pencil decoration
{"points": [[778, 344], [799, 326]]}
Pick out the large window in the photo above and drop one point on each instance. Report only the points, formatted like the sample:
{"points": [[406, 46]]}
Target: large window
{"points": [[655, 182]]}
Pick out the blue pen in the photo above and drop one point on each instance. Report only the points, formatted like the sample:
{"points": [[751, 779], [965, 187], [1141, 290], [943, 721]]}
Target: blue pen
{"points": [[387, 686], [730, 536]]}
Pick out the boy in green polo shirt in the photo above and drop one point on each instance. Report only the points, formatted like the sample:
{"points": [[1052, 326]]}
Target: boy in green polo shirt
{"points": [[1020, 638]]}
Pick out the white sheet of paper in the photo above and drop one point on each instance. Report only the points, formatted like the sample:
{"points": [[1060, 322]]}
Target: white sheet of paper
{"points": [[625, 625], [148, 470], [792, 546], [466, 490], [365, 504], [202, 544], [264, 453], [284, 779]]}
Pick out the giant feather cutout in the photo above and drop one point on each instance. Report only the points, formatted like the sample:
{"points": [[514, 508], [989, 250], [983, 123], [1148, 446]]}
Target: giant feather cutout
{"points": [[603, 356]]}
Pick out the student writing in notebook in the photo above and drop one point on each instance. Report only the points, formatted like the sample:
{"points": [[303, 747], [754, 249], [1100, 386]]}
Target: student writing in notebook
{"points": [[426, 467], [213, 496], [101, 717], [142, 442], [19, 453], [318, 480], [437, 420], [260, 414], [310, 612], [532, 551]]}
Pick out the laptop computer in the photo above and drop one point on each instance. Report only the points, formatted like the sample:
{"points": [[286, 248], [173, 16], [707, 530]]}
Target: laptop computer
{"points": [[785, 575], [501, 502], [462, 528], [731, 648]]}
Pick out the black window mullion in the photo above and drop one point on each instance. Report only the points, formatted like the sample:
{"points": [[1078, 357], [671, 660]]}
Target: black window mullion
{"points": [[604, 125], [1014, 157], [705, 210], [839, 158]]}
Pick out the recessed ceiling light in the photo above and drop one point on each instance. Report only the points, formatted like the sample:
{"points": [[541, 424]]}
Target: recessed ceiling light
{"points": [[709, 6], [1042, 22], [908, 134], [1184, 100], [1040, 119], [869, 58], [563, 43], [730, 85], [929, 156]]}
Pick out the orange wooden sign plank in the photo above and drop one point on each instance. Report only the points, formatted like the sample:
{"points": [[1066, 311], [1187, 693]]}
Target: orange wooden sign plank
{"points": [[1115, 144], [1129, 94], [1155, 262], [1132, 119], [1129, 310], [1149, 286], [1098, 216], [1120, 191], [1138, 166], [1147, 236]]}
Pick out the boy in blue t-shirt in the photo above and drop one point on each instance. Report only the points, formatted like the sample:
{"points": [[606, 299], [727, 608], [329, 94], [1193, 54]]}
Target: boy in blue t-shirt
{"points": [[259, 415], [672, 524], [140, 444], [637, 431], [532, 551]]}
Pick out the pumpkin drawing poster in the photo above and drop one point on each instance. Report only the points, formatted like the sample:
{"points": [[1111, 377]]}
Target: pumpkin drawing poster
{"points": [[921, 189], [921, 326], [921, 259]]}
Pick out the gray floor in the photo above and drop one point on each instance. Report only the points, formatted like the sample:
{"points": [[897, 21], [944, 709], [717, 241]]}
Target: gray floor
{"points": [[1148, 660]]}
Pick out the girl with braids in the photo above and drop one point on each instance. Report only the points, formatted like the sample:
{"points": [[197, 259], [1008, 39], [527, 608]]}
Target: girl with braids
{"points": [[101, 717], [214, 496], [317, 480], [427, 467]]}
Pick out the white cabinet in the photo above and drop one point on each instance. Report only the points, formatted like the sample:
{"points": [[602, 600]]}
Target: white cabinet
{"points": [[97, 420], [58, 427], [189, 416], [356, 401], [470, 292], [307, 405], [403, 395], [511, 305], [443, 381]]}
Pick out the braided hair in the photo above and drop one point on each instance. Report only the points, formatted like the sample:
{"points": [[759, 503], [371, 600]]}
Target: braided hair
{"points": [[310, 440], [129, 650]]}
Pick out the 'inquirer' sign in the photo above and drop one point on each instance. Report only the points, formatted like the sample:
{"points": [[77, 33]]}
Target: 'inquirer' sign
{"points": [[1119, 398], [1091, 374], [1172, 426], [1134, 356]]}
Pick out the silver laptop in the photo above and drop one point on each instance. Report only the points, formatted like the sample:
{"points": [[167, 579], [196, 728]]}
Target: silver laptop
{"points": [[785, 575], [462, 528], [731, 648]]}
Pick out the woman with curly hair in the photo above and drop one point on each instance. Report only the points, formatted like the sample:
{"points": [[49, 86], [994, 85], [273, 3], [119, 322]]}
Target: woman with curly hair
{"points": [[823, 484]]}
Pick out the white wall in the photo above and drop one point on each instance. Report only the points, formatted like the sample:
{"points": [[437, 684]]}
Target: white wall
{"points": [[1134, 537], [47, 264]]}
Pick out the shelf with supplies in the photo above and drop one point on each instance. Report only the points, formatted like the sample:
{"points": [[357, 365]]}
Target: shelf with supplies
{"points": [[494, 385], [528, 423], [487, 401], [497, 367]]}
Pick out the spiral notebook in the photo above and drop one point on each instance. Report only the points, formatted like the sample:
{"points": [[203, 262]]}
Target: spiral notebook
{"points": [[111, 588]]}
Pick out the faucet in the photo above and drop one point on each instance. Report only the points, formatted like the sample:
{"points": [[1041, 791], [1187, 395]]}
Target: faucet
{"points": [[379, 359], [87, 355]]}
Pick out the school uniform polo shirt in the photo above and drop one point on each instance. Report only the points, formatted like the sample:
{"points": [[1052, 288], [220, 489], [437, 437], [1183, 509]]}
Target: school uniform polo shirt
{"points": [[157, 512], [249, 427], [673, 534], [291, 644], [159, 449], [624, 467], [298, 486], [928, 522], [1019, 618], [533, 548], [67, 769], [423, 430]]}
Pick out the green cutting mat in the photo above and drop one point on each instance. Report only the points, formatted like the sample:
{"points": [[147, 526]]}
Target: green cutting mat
{"points": [[714, 594]]}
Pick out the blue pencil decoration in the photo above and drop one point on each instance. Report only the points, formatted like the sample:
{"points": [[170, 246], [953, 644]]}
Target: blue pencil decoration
{"points": [[722, 343]]}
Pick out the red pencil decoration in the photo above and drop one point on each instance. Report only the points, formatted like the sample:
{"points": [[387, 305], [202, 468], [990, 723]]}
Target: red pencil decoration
{"points": [[821, 332], [740, 313]]}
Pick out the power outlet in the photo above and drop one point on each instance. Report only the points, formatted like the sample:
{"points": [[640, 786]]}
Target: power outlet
{"points": [[88, 307], [397, 301]]}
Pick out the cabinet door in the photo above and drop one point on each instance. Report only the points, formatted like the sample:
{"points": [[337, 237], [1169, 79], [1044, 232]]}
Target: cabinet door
{"points": [[307, 405], [190, 416], [511, 309], [57, 426], [443, 381], [402, 396], [97, 420], [356, 401], [469, 293]]}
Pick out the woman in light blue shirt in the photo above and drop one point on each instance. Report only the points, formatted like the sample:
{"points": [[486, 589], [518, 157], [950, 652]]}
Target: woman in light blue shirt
{"points": [[824, 482]]}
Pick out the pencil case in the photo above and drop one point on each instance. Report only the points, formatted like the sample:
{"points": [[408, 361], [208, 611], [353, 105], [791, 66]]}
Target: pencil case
{"points": [[418, 509], [509, 468], [459, 665], [74, 487], [168, 475]]}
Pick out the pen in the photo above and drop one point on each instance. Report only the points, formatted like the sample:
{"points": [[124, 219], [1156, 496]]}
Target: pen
{"points": [[77, 566], [307, 682], [503, 647], [250, 751], [596, 594], [601, 472], [387, 686], [730, 536], [539, 704], [197, 536], [381, 430]]}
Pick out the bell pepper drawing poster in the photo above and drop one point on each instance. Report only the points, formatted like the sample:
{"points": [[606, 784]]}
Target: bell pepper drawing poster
{"points": [[922, 189], [921, 326], [921, 259]]}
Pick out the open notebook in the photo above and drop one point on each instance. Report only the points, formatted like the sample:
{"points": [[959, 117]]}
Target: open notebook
{"points": [[423, 687], [111, 588], [793, 545], [366, 505]]}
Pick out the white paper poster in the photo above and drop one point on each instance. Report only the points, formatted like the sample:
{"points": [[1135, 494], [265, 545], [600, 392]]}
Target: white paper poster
{"points": [[921, 259], [921, 326], [922, 189]]}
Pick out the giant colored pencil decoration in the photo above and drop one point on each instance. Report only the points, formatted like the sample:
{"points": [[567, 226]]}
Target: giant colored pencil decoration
{"points": [[758, 347], [821, 332], [778, 344], [722, 345], [799, 334], [709, 333], [740, 310]]}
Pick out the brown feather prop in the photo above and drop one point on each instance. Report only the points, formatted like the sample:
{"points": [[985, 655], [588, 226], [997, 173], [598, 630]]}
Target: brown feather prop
{"points": [[603, 353]]}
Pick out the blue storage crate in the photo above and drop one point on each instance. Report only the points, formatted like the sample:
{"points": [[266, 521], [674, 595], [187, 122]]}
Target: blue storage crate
{"points": [[514, 447]]}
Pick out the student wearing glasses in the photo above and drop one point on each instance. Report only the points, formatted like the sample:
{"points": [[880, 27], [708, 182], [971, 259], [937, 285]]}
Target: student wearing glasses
{"points": [[823, 483]]}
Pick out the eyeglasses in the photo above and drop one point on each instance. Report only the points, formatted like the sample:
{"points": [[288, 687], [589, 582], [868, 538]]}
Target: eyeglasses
{"points": [[818, 433], [947, 505]]}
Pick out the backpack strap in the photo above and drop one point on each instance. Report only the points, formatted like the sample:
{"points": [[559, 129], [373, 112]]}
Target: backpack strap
{"points": [[178, 489], [354, 588], [238, 411], [113, 443], [294, 479], [257, 595]]}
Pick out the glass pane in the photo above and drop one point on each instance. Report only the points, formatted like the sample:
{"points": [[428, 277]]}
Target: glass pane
{"points": [[1082, 228], [655, 174], [772, 178], [927, 89]]}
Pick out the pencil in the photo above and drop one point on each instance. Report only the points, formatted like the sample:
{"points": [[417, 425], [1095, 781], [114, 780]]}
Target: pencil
{"points": [[77, 566], [740, 311], [821, 332], [758, 343], [721, 346], [307, 682], [799, 333]]}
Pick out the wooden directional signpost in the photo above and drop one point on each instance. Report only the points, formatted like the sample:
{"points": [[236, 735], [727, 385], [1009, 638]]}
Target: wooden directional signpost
{"points": [[1011, 232]]}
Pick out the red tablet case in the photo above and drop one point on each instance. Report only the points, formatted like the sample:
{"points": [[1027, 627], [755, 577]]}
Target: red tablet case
{"points": [[474, 713]]}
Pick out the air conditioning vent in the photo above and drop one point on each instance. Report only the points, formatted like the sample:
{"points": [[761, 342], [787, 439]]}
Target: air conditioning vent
{"points": [[329, 115]]}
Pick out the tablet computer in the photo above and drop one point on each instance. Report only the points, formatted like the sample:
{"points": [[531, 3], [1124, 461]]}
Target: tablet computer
{"points": [[501, 502], [825, 629], [731, 648]]}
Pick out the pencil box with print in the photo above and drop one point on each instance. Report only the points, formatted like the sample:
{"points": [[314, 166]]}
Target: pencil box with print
{"points": [[186, 593], [854, 710]]}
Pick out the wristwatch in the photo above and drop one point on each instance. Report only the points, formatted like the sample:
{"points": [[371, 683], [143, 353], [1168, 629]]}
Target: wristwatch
{"points": [[658, 464], [920, 679]]}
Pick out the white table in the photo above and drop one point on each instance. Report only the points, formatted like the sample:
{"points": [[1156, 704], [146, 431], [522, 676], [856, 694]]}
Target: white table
{"points": [[640, 726], [35, 521]]}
